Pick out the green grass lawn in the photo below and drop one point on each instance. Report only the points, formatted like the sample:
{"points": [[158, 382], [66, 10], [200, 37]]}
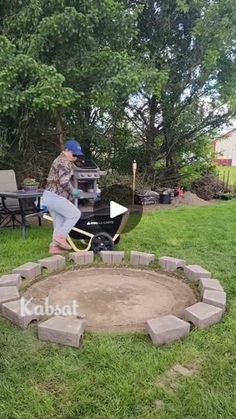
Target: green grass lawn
{"points": [[223, 171], [121, 377]]}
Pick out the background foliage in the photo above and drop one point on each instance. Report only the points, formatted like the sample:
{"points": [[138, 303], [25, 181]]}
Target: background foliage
{"points": [[145, 80]]}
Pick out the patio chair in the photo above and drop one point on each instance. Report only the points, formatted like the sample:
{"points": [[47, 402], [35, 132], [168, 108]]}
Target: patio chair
{"points": [[9, 208], [10, 213]]}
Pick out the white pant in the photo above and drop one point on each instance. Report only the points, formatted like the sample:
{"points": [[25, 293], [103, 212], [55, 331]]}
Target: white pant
{"points": [[64, 214]]}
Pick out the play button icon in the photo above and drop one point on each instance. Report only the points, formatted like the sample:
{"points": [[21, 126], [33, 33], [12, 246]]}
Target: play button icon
{"points": [[116, 209], [111, 216]]}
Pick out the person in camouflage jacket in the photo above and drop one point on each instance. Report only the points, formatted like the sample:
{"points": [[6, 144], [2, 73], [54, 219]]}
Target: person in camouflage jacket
{"points": [[59, 194]]}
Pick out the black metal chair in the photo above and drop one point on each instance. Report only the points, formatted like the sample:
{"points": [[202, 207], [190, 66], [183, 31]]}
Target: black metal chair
{"points": [[10, 213]]}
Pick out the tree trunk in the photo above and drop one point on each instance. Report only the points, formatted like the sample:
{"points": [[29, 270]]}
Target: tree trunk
{"points": [[60, 130], [150, 136]]}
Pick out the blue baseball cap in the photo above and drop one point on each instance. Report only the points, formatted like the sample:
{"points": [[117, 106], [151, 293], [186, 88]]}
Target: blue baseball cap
{"points": [[75, 147]]}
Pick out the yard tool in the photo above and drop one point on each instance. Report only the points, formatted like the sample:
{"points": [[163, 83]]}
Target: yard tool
{"points": [[134, 167]]}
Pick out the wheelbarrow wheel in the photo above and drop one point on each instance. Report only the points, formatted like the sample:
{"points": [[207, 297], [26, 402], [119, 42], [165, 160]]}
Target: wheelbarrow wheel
{"points": [[102, 241]]}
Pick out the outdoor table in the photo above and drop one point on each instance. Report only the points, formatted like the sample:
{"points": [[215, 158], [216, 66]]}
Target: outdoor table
{"points": [[22, 195]]}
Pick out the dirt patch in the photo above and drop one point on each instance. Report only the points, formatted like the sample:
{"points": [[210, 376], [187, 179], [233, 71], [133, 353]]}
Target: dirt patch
{"points": [[170, 380], [189, 200], [116, 298], [159, 404], [183, 371]]}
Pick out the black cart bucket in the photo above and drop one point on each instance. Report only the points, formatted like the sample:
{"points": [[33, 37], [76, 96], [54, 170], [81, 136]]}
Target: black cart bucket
{"points": [[99, 221]]}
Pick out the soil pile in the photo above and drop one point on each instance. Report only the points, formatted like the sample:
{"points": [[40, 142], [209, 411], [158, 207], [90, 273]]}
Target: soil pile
{"points": [[190, 199]]}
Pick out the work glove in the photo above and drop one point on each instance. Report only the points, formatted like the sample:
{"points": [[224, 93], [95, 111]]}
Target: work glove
{"points": [[76, 193]]}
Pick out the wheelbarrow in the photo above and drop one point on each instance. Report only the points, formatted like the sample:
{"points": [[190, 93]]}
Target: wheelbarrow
{"points": [[96, 230]]}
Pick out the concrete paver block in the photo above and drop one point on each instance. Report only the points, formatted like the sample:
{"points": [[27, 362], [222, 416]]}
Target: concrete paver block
{"points": [[203, 315], [82, 258], [63, 330], [11, 280], [8, 294], [112, 257], [20, 312], [209, 284], [195, 272], [53, 263], [171, 264], [166, 329], [215, 298], [61, 262], [141, 258], [29, 270]]}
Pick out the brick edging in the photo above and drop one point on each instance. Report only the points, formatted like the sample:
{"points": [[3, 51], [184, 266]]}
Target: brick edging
{"points": [[162, 330]]}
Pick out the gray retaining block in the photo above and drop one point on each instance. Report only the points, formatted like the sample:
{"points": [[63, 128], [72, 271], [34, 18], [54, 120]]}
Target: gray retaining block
{"points": [[63, 330], [171, 264], [29, 270], [8, 294], [53, 263], [203, 315], [11, 280], [209, 284], [141, 258], [20, 313], [215, 298], [112, 257], [195, 272], [82, 258], [166, 329]]}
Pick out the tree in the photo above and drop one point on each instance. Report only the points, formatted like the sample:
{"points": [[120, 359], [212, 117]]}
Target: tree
{"points": [[188, 57], [27, 84], [143, 77], [83, 45], [80, 40], [27, 88]]}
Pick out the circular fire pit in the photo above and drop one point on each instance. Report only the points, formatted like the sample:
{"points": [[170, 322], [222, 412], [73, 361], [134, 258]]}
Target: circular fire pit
{"points": [[115, 298]]}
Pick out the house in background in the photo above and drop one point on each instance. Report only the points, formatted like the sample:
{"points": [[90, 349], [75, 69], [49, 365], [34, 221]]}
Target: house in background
{"points": [[225, 149]]}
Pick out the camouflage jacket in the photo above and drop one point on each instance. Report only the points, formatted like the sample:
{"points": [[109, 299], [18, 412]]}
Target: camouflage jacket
{"points": [[59, 178]]}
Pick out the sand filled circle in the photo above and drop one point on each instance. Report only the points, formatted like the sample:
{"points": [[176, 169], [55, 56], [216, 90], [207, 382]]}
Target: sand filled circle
{"points": [[115, 298]]}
